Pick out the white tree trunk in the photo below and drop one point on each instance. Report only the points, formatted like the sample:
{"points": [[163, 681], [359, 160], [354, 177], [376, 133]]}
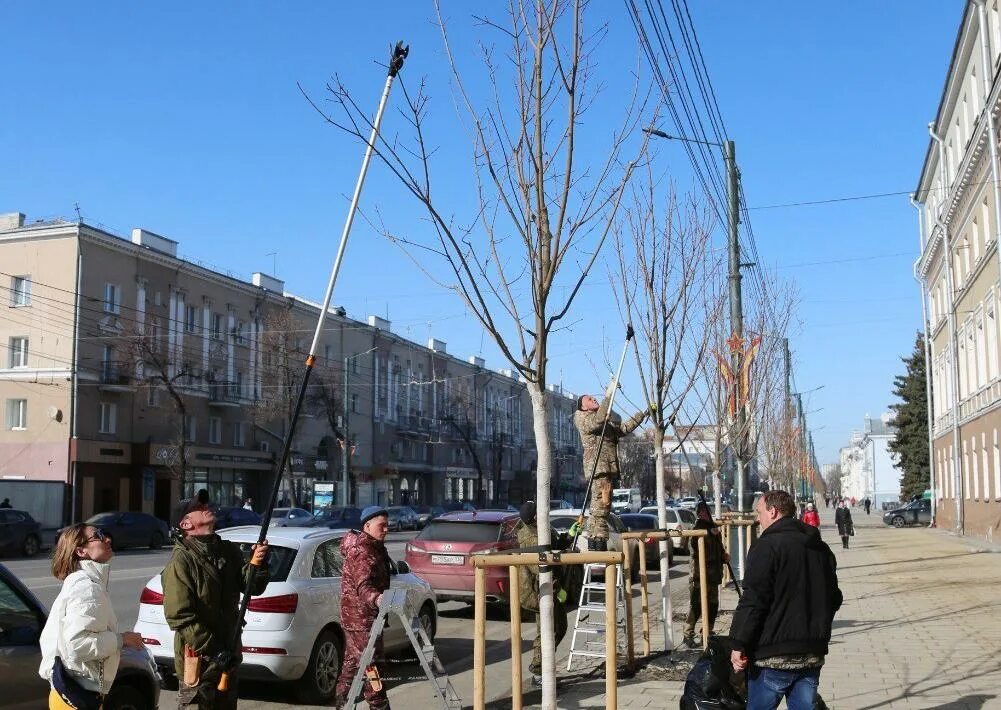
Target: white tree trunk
{"points": [[540, 423], [666, 607]]}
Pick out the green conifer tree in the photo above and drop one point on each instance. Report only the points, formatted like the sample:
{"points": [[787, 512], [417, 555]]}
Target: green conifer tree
{"points": [[911, 421]]}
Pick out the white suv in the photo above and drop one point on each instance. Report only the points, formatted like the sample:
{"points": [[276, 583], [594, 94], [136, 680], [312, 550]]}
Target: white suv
{"points": [[293, 630], [677, 519]]}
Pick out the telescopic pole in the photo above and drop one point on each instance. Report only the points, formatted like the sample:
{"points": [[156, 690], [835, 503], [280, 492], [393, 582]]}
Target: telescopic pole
{"points": [[601, 441], [399, 54]]}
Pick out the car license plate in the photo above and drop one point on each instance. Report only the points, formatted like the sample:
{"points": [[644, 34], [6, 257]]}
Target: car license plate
{"points": [[447, 559]]}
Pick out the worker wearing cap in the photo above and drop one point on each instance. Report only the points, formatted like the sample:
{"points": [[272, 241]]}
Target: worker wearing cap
{"points": [[202, 584], [364, 577]]}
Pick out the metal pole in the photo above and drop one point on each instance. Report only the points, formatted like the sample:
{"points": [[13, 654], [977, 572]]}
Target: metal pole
{"points": [[788, 410], [737, 326], [345, 453], [399, 54]]}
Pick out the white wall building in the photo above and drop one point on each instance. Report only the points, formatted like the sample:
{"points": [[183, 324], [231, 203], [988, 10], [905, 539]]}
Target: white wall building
{"points": [[869, 469]]}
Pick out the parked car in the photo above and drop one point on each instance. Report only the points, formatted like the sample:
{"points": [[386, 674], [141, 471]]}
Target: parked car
{"points": [[293, 630], [688, 502], [559, 505], [337, 517], [291, 517], [22, 617], [128, 529], [677, 519], [451, 506], [561, 520], [917, 512], [637, 522], [231, 517], [427, 513], [626, 500], [402, 517], [441, 553], [20, 534]]}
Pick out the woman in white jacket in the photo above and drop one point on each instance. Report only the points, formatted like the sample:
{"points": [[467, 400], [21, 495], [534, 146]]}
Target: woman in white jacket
{"points": [[82, 629]]}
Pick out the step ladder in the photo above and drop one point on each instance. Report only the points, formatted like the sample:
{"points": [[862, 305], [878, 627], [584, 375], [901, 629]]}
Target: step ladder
{"points": [[590, 626], [404, 604]]}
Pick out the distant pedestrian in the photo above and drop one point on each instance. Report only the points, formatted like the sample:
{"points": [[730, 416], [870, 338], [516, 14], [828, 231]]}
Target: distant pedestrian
{"points": [[364, 578], [249, 504], [827, 501], [528, 586], [811, 516], [80, 644], [843, 519], [868, 504], [6, 503], [716, 557], [782, 625]]}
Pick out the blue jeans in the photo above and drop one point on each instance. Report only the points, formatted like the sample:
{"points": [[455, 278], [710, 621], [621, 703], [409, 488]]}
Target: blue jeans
{"points": [[766, 687]]}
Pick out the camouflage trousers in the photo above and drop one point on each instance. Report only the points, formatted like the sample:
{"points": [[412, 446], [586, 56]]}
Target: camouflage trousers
{"points": [[354, 646], [559, 627], [695, 606], [205, 695], [601, 506]]}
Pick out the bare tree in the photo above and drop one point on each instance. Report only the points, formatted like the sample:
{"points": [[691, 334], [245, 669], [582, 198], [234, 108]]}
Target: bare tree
{"points": [[544, 207]]}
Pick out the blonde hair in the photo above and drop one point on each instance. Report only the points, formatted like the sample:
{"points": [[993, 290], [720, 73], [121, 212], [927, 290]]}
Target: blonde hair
{"points": [[64, 559]]}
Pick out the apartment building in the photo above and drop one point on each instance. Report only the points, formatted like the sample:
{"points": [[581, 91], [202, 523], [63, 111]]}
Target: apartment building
{"points": [[131, 377], [868, 468], [959, 199]]}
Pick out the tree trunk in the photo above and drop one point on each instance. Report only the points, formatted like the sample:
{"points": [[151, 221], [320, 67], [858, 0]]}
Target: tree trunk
{"points": [[544, 457], [666, 608]]}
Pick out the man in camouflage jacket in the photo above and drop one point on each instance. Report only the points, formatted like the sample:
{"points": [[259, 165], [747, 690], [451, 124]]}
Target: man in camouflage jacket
{"points": [[364, 577], [716, 557], [202, 584], [528, 586], [590, 422]]}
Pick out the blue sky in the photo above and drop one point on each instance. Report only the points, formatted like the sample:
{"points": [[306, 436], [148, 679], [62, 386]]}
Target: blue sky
{"points": [[186, 119]]}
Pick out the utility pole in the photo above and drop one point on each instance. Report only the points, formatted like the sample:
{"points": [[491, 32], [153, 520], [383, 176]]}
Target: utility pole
{"points": [[788, 413], [739, 435], [345, 451]]}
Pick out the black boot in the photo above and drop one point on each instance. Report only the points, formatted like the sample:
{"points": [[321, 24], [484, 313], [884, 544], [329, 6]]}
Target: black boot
{"points": [[597, 544]]}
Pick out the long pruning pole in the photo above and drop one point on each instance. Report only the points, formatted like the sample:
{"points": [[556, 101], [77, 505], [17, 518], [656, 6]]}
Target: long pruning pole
{"points": [[399, 54], [601, 441]]}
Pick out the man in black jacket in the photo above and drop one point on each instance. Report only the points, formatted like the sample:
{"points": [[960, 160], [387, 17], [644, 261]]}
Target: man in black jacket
{"points": [[782, 624]]}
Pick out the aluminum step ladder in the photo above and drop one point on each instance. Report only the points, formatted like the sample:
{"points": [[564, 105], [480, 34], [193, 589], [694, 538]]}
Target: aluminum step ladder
{"points": [[405, 605], [590, 625]]}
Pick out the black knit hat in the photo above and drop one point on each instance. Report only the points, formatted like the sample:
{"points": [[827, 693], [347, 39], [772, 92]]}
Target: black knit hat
{"points": [[528, 512]]}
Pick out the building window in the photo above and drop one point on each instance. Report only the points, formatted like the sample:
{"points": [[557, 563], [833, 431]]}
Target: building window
{"points": [[239, 434], [112, 298], [153, 396], [215, 430], [17, 414], [190, 429], [191, 319], [18, 352], [217, 326], [20, 291], [239, 383], [354, 404], [109, 418], [239, 336]]}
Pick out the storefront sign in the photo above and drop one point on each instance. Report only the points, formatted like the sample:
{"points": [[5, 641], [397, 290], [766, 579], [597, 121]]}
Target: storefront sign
{"points": [[321, 465], [323, 495]]}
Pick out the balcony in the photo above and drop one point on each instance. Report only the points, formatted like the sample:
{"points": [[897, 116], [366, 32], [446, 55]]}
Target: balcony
{"points": [[412, 425], [117, 376], [224, 395]]}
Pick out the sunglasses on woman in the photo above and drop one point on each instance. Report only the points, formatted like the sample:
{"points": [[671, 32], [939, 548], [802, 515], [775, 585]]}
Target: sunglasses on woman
{"points": [[99, 535]]}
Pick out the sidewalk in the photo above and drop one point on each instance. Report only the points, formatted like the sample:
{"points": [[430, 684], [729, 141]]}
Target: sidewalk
{"points": [[919, 628]]}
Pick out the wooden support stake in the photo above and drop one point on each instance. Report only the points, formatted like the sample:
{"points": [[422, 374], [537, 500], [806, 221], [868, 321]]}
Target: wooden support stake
{"points": [[480, 640], [627, 596], [645, 605], [611, 662], [515, 604], [703, 592]]}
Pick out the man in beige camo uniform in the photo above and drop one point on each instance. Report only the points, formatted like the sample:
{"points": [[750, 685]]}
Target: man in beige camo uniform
{"points": [[589, 420]]}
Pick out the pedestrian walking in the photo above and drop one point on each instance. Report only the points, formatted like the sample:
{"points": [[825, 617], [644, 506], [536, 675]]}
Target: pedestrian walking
{"points": [[590, 422], [782, 625], [716, 557], [364, 577], [80, 644], [6, 503], [827, 501], [202, 584], [867, 504], [811, 516], [843, 519]]}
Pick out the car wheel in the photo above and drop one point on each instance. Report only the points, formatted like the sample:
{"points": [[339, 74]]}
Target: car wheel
{"points": [[318, 684], [898, 522], [427, 621], [156, 542], [30, 548], [126, 697]]}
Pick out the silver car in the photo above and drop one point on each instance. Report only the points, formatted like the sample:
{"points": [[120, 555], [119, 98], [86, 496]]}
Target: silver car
{"points": [[22, 617]]}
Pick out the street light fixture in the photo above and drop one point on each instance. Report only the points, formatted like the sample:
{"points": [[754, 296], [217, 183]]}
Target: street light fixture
{"points": [[661, 134]]}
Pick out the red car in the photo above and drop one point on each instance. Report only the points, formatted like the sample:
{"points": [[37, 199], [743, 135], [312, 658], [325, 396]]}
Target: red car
{"points": [[441, 552]]}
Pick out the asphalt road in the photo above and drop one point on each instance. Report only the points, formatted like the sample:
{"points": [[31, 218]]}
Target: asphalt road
{"points": [[454, 643]]}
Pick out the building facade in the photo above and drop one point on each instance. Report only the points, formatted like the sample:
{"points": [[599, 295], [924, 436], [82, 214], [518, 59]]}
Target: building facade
{"points": [[959, 199], [131, 377], [868, 468]]}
